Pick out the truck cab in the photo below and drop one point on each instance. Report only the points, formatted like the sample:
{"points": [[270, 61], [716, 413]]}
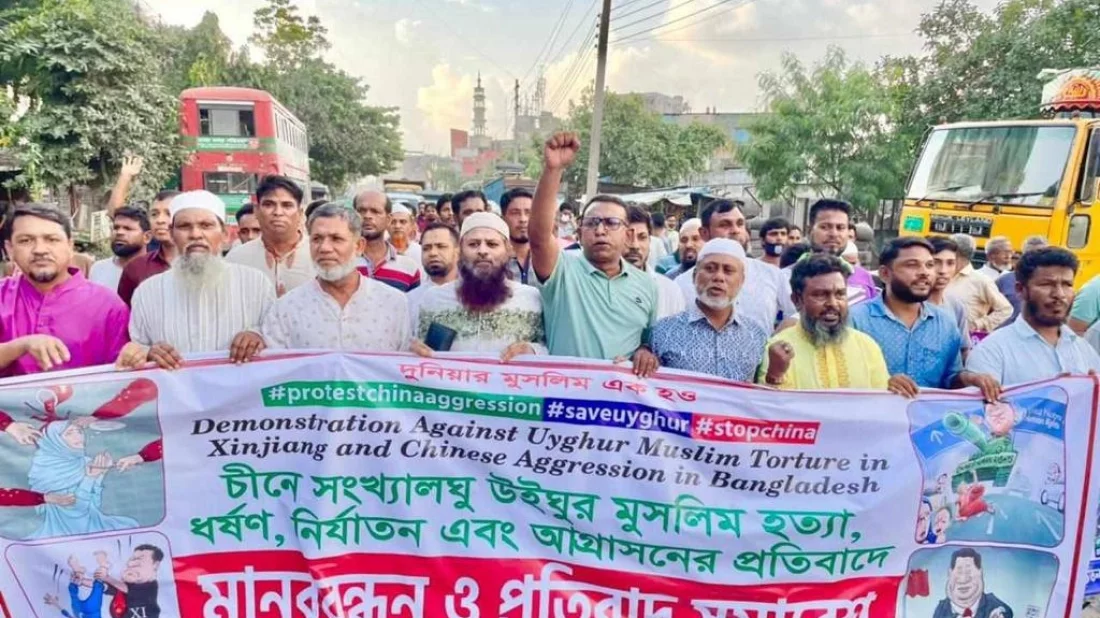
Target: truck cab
{"points": [[1017, 178]]}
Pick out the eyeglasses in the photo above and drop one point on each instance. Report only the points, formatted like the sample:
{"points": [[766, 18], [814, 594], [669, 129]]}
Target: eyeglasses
{"points": [[611, 223]]}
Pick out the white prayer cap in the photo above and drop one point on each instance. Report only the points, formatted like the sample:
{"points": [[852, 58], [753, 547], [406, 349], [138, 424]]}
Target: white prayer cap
{"points": [[200, 200], [399, 208], [850, 250], [486, 220], [691, 225], [721, 246]]}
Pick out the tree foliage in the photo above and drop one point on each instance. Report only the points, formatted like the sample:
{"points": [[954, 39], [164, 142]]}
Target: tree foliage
{"points": [[636, 146], [348, 138], [828, 128], [855, 132], [87, 74]]}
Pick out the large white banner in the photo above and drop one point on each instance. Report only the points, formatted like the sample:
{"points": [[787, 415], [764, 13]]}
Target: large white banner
{"points": [[372, 486]]}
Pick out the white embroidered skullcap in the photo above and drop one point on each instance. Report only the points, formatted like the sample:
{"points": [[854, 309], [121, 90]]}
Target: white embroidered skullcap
{"points": [[691, 225], [486, 220], [200, 200], [851, 250], [721, 246], [400, 208]]}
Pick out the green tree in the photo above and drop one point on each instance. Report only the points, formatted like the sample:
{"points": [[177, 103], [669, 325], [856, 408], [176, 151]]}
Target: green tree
{"points": [[89, 72], [636, 146], [828, 128], [348, 138], [287, 39], [978, 66]]}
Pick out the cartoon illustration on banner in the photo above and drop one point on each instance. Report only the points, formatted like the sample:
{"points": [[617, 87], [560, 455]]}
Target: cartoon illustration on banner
{"points": [[992, 471], [82, 460]]}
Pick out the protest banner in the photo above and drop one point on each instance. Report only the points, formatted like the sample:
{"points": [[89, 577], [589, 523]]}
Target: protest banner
{"points": [[335, 485]]}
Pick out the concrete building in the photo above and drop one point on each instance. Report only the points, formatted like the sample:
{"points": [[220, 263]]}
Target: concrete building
{"points": [[659, 103]]}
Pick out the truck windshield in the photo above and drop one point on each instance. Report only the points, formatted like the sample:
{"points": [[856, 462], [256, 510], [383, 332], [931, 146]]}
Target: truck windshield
{"points": [[1020, 165]]}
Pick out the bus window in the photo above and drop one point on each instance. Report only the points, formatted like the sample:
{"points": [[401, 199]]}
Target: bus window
{"points": [[223, 121], [229, 183], [1087, 193]]}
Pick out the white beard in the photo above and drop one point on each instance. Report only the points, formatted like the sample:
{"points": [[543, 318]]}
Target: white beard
{"points": [[718, 303], [336, 273], [197, 272]]}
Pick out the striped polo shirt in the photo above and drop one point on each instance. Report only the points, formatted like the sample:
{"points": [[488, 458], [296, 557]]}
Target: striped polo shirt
{"points": [[397, 270]]}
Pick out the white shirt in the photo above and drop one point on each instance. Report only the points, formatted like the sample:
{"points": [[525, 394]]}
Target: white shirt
{"points": [[413, 252], [374, 320], [765, 294], [106, 272], [518, 319], [414, 296], [166, 309], [657, 250], [1016, 354], [295, 269], [670, 300], [991, 272]]}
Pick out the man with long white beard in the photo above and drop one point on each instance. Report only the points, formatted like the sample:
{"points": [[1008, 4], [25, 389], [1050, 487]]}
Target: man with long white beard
{"points": [[202, 303], [821, 351], [710, 336], [488, 311], [341, 309]]}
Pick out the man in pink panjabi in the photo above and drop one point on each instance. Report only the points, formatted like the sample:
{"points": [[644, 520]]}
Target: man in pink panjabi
{"points": [[51, 317]]}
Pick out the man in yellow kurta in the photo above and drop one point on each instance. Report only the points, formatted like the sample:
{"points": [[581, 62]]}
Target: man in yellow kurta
{"points": [[821, 351]]}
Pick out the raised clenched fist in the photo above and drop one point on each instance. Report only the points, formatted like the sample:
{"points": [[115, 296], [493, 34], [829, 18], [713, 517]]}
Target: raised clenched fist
{"points": [[561, 150]]}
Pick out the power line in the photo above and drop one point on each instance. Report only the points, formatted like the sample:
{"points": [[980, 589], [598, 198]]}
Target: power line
{"points": [[688, 25], [640, 9], [624, 5], [688, 16], [564, 98], [572, 35], [657, 14], [554, 32], [777, 39], [581, 52], [450, 31], [562, 93], [584, 55]]}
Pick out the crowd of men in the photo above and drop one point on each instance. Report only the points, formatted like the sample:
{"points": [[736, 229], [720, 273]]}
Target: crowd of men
{"points": [[610, 281]]}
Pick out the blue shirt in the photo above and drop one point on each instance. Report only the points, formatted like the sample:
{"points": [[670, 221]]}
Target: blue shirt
{"points": [[929, 352], [1006, 285], [667, 263], [1017, 354], [688, 341]]}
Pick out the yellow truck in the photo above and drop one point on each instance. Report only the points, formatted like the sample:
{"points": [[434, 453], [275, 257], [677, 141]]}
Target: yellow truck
{"points": [[1017, 178]]}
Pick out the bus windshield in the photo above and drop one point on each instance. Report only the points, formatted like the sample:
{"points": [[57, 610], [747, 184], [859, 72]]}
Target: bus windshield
{"points": [[1021, 165]]}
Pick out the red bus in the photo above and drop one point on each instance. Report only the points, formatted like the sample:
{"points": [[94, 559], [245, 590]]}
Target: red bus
{"points": [[236, 136]]}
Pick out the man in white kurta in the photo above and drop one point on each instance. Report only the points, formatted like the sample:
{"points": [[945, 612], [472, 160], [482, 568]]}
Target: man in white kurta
{"points": [[340, 309], [203, 303], [490, 313]]}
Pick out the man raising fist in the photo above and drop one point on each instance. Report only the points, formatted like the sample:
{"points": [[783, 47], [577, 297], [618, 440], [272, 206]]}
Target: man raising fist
{"points": [[595, 304]]}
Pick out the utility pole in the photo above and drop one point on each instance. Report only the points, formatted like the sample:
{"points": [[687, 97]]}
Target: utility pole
{"points": [[515, 129], [590, 188]]}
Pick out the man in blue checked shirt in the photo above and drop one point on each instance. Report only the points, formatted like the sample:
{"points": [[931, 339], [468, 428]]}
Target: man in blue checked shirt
{"points": [[921, 341], [711, 336]]}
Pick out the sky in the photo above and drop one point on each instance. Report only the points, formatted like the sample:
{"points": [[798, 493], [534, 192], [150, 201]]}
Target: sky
{"points": [[423, 56]]}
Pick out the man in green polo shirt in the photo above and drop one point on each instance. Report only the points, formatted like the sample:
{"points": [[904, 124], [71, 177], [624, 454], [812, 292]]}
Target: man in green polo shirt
{"points": [[595, 304]]}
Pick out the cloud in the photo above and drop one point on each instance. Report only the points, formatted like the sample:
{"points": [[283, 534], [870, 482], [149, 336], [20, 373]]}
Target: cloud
{"points": [[403, 30], [474, 4], [448, 101]]}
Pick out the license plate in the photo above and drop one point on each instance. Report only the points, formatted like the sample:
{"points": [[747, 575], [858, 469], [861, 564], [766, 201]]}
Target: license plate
{"points": [[978, 227]]}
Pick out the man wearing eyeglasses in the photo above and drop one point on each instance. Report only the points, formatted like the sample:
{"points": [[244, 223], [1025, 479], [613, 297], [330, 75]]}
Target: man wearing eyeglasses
{"points": [[595, 304]]}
